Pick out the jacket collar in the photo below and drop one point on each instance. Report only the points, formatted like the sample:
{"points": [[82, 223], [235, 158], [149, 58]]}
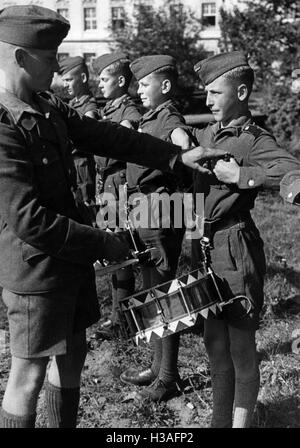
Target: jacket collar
{"points": [[235, 127], [17, 108], [153, 112], [80, 101], [116, 103]]}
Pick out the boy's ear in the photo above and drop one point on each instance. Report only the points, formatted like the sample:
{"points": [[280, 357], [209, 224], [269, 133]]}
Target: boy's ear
{"points": [[242, 92], [83, 78], [166, 86], [20, 56], [122, 81]]}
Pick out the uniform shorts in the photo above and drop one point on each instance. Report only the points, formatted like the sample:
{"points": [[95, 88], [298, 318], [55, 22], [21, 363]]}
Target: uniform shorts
{"points": [[42, 325], [238, 260]]}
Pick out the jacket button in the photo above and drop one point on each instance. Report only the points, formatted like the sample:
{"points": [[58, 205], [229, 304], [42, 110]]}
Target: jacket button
{"points": [[251, 183], [45, 161]]}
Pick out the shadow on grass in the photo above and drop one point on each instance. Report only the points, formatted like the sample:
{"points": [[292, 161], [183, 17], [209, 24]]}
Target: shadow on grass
{"points": [[278, 413], [290, 274]]}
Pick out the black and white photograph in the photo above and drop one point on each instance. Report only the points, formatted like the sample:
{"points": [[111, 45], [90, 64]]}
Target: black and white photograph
{"points": [[150, 217]]}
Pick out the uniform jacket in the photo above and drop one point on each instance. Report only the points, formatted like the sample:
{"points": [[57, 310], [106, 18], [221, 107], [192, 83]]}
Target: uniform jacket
{"points": [[86, 103], [43, 243], [263, 163], [123, 108], [159, 123]]}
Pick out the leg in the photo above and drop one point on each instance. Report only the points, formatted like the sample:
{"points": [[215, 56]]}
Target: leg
{"points": [[62, 389], [243, 353], [216, 341], [24, 384], [123, 286]]}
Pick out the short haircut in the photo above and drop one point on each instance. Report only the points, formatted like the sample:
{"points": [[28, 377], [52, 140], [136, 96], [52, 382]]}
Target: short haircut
{"points": [[241, 75], [81, 69], [121, 68], [169, 72]]}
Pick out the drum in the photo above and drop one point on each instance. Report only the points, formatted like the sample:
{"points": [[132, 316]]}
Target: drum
{"points": [[170, 307]]}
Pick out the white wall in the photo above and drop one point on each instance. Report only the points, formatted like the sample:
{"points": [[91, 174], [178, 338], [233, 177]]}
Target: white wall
{"points": [[79, 41]]}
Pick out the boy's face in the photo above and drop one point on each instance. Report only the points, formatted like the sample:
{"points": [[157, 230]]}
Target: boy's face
{"points": [[109, 84], [39, 66], [150, 91], [222, 99], [73, 82]]}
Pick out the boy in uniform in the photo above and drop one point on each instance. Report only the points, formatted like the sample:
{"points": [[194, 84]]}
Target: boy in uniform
{"points": [[75, 76], [237, 254], [46, 251], [114, 79], [157, 78]]}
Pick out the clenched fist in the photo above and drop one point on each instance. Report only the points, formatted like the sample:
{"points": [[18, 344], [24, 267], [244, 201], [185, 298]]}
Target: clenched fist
{"points": [[115, 246], [194, 157]]}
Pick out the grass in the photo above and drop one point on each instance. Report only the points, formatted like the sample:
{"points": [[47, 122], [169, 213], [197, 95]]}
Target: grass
{"points": [[106, 403]]}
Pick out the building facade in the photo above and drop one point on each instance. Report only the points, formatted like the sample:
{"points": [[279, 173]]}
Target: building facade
{"points": [[92, 21]]}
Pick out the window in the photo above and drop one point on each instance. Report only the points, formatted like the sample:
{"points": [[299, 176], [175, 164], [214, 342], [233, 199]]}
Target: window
{"points": [[209, 13], [90, 18], [63, 12], [61, 56], [117, 17]]}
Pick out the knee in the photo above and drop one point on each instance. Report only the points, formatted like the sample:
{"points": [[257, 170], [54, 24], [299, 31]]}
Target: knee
{"points": [[245, 362], [217, 350], [28, 377]]}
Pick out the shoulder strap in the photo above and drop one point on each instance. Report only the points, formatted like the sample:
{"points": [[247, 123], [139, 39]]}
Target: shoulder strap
{"points": [[254, 130]]}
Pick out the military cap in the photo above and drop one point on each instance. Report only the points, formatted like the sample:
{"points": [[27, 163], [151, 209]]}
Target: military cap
{"points": [[290, 187], [145, 65], [68, 64], [211, 68], [33, 27], [103, 61]]}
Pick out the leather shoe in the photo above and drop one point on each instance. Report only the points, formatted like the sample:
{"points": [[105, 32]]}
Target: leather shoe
{"points": [[161, 391], [133, 376]]}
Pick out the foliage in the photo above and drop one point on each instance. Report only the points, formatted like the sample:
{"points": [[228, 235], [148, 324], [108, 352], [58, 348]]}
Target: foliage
{"points": [[166, 30], [264, 31], [283, 112]]}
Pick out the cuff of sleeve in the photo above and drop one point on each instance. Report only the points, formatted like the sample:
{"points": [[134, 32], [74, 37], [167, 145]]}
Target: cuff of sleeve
{"points": [[251, 177], [82, 245]]}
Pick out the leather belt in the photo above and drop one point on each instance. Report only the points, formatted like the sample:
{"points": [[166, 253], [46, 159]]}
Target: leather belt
{"points": [[148, 188], [211, 227]]}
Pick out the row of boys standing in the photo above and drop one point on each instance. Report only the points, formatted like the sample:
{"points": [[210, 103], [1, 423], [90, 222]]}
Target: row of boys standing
{"points": [[237, 250], [163, 121]]}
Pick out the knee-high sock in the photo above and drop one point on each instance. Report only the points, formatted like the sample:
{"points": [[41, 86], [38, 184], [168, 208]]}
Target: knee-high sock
{"points": [[223, 397], [244, 403], [121, 287], [8, 420], [62, 406], [169, 370]]}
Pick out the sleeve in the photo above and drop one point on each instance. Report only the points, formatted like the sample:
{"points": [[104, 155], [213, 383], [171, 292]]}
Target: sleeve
{"points": [[132, 113], [28, 218], [107, 139], [266, 164], [171, 121]]}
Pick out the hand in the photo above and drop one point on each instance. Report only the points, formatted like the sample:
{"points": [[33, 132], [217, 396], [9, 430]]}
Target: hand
{"points": [[115, 246], [227, 172], [192, 157]]}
